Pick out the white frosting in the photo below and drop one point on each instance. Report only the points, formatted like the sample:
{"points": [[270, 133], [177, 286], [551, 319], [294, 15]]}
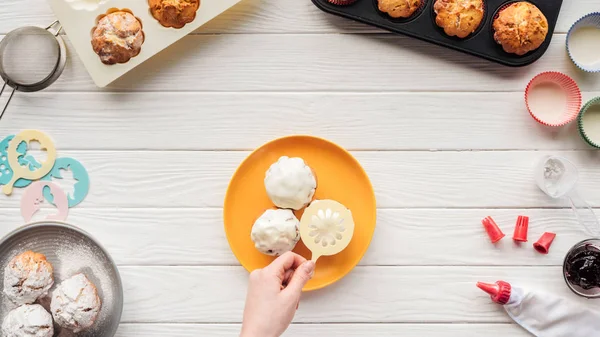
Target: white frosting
{"points": [[276, 232], [28, 321], [584, 46], [26, 278], [75, 303], [290, 183]]}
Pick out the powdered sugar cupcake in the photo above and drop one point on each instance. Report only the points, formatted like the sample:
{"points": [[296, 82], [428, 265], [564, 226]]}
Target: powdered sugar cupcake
{"points": [[75, 303], [28, 321], [290, 183], [27, 277]]}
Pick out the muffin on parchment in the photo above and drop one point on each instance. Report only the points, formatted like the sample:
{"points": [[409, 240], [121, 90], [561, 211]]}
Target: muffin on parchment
{"points": [[118, 37], [520, 28], [174, 13], [399, 8], [27, 277], [459, 18], [75, 303], [28, 321]]}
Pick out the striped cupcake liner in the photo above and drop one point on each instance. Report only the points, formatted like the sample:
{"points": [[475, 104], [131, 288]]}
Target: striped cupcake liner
{"points": [[572, 94], [589, 20], [581, 125]]}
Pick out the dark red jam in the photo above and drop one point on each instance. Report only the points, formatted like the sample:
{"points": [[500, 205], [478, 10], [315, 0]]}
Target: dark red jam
{"points": [[582, 267]]}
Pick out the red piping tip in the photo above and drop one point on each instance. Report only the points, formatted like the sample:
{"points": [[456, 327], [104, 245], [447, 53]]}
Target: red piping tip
{"points": [[521, 229], [492, 229], [489, 288], [543, 244], [499, 291]]}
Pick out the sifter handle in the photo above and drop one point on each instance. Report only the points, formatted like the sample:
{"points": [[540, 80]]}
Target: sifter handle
{"points": [[315, 257], [9, 98]]}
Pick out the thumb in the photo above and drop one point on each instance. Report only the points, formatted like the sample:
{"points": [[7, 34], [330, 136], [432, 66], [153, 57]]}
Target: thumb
{"points": [[301, 276]]}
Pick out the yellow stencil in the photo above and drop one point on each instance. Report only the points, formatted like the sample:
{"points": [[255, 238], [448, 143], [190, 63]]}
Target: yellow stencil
{"points": [[24, 171], [326, 228]]}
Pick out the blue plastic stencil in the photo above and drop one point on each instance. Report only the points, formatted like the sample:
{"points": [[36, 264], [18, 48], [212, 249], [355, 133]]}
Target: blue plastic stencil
{"points": [[6, 172], [82, 186]]}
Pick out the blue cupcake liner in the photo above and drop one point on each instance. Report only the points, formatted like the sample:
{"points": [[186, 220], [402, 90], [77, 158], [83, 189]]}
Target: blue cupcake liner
{"points": [[589, 20]]}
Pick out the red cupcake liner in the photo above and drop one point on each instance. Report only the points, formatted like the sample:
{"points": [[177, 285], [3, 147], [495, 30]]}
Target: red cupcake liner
{"points": [[568, 86], [543, 244], [341, 2]]}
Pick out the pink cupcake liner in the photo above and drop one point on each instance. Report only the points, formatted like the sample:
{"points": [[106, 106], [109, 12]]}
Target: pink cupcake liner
{"points": [[573, 97]]}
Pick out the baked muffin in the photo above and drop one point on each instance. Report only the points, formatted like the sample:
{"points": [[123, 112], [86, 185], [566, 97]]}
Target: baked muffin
{"points": [[276, 232], [27, 277], [174, 13], [28, 321], [459, 18], [399, 8], [118, 37], [290, 183], [520, 28], [75, 303]]}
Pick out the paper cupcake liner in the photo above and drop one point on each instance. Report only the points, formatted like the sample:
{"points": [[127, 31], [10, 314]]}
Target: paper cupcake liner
{"points": [[589, 20], [581, 126], [413, 16], [569, 87], [341, 2]]}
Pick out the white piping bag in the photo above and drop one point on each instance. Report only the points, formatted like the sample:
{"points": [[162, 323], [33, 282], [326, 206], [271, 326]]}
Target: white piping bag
{"points": [[544, 314]]}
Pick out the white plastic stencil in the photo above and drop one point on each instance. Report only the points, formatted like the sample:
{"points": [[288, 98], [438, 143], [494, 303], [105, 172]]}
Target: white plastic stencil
{"points": [[326, 228], [79, 17]]}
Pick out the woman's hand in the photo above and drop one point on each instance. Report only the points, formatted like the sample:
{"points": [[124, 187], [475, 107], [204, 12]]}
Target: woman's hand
{"points": [[273, 295]]}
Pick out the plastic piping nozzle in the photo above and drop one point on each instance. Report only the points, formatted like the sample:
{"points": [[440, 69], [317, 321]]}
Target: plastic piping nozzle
{"points": [[492, 229], [543, 244], [499, 291], [521, 229]]}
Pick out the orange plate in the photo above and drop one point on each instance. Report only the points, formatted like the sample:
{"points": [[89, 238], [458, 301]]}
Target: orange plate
{"points": [[339, 177]]}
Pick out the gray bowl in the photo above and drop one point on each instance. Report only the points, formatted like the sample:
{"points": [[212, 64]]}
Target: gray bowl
{"points": [[71, 251]]}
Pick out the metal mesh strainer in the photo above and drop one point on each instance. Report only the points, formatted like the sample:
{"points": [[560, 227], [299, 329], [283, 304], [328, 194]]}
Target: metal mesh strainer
{"points": [[31, 58]]}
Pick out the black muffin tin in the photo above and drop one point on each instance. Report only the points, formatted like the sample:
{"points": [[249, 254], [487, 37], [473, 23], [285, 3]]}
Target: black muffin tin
{"points": [[422, 26]]}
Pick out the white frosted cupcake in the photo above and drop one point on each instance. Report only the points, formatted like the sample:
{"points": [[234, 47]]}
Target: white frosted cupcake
{"points": [[27, 277], [276, 232], [290, 183], [75, 303], [28, 321]]}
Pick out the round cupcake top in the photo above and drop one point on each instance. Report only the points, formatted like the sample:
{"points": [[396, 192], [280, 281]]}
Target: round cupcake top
{"points": [[459, 18], [174, 13], [290, 183], [520, 28], [27, 277], [28, 320], [75, 303], [118, 37], [276, 232], [399, 8]]}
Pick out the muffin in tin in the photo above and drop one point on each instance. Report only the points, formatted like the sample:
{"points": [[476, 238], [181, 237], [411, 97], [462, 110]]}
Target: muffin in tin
{"points": [[399, 9], [174, 13], [117, 37], [459, 18], [520, 28]]}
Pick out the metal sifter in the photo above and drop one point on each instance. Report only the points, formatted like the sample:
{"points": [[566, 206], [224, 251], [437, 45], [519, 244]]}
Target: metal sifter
{"points": [[31, 59]]}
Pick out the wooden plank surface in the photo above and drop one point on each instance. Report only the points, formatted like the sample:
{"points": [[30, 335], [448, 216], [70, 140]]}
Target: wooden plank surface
{"points": [[335, 63], [368, 295], [328, 330], [421, 237], [259, 16], [447, 179], [357, 121]]}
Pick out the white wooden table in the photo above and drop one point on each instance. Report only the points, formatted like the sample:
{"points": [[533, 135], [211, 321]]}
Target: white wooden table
{"points": [[445, 138]]}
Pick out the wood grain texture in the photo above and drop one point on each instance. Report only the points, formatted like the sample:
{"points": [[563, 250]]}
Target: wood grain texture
{"points": [[259, 16], [448, 179], [335, 62], [367, 295], [423, 237], [328, 330], [357, 121]]}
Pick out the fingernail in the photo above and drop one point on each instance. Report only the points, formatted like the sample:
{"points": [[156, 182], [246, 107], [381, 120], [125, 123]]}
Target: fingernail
{"points": [[309, 267]]}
